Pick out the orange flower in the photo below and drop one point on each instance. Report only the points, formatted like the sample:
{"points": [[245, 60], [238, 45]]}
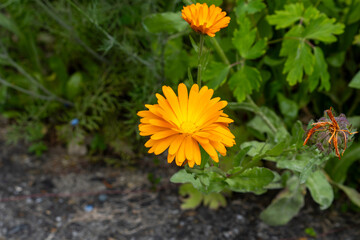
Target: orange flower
{"points": [[204, 19], [181, 123]]}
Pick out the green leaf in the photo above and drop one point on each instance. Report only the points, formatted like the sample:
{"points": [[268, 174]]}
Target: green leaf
{"points": [[353, 195], [238, 159], [244, 81], [184, 177], [337, 59], [355, 82], [194, 198], [244, 41], [320, 189], [297, 133], [164, 22], [285, 206], [320, 72], [277, 150], [299, 57], [285, 18], [9, 24], [248, 7], [211, 2], [338, 169], [74, 85], [215, 74], [323, 29], [256, 147], [288, 107], [353, 15], [251, 180], [214, 200]]}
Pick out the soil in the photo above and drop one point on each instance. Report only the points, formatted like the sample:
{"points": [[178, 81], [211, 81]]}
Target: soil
{"points": [[57, 196]]}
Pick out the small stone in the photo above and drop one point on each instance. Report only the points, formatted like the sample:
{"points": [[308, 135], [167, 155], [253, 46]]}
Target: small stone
{"points": [[88, 208], [102, 197]]}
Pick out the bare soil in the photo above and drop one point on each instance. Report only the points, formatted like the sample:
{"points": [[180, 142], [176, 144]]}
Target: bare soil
{"points": [[57, 196]]}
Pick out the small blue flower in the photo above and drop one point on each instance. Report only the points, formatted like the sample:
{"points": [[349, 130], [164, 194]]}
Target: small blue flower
{"points": [[74, 122]]}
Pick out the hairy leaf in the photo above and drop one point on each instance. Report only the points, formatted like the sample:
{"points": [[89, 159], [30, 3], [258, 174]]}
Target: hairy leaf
{"points": [[320, 189], [251, 180]]}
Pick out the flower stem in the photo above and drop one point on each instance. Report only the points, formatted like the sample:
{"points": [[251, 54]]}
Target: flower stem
{"points": [[256, 108], [261, 114], [201, 45]]}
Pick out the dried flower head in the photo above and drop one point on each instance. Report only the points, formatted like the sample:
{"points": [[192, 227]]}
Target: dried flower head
{"points": [[331, 132], [204, 19], [180, 123]]}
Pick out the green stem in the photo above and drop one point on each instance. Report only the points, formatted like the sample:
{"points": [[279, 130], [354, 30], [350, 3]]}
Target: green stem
{"points": [[201, 46], [257, 110], [219, 50], [261, 114]]}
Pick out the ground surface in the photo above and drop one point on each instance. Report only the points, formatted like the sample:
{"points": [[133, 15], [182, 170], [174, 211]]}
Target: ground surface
{"points": [[60, 197]]}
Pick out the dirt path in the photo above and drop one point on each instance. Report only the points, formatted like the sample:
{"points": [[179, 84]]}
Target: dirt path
{"points": [[59, 197]]}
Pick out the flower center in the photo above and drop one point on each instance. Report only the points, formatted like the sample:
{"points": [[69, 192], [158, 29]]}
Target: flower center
{"points": [[188, 127]]}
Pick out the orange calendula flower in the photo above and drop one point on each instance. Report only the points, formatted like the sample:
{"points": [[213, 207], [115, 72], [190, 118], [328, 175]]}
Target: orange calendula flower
{"points": [[204, 19], [180, 123]]}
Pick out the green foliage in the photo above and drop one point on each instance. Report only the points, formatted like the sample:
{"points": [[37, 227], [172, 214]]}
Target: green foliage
{"points": [[285, 206], [195, 198], [99, 62]]}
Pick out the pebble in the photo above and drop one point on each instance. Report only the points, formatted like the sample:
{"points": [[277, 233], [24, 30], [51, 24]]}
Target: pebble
{"points": [[88, 208], [102, 197]]}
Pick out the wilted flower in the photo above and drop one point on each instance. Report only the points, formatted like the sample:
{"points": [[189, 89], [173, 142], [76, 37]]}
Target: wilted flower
{"points": [[331, 132], [204, 19], [180, 123]]}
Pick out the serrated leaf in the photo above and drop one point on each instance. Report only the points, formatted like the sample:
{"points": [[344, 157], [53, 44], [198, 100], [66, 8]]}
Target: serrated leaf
{"points": [[320, 72], [355, 82], [285, 206], [215, 74], [323, 29], [244, 41], [194, 198], [244, 81], [320, 189], [214, 200], [164, 22], [251, 180], [285, 18], [299, 58], [249, 7]]}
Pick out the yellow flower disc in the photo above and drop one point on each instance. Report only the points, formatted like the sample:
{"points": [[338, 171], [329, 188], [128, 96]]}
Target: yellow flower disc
{"points": [[204, 19], [180, 123]]}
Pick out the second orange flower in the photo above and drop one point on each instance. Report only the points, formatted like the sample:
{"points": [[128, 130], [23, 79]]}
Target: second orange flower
{"points": [[204, 19]]}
